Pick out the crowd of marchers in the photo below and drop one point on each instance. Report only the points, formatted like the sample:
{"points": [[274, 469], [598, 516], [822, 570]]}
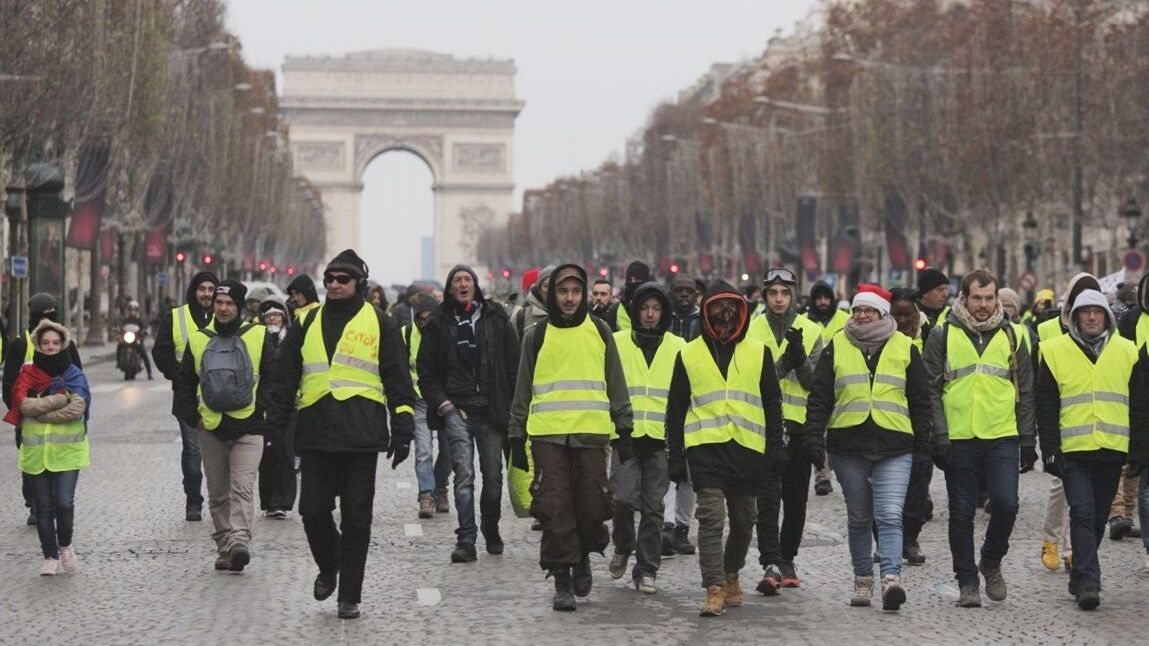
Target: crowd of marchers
{"points": [[677, 401]]}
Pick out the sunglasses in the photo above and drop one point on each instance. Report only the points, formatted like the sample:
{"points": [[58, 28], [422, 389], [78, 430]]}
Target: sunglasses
{"points": [[780, 275], [342, 279]]}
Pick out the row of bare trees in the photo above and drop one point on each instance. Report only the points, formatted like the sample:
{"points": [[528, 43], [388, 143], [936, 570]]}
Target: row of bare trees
{"points": [[939, 124]]}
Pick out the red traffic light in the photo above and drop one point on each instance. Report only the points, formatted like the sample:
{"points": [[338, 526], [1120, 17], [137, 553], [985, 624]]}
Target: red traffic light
{"points": [[674, 268], [273, 269], [603, 271], [262, 265], [506, 273], [920, 264], [290, 270], [181, 256], [207, 259]]}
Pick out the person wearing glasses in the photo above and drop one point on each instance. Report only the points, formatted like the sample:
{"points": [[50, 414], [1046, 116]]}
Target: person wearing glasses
{"points": [[795, 344], [871, 400], [724, 422], [349, 365]]}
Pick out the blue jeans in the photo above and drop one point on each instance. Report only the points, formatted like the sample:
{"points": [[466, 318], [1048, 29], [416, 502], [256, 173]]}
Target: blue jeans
{"points": [[998, 460], [55, 495], [431, 476], [1089, 487], [875, 492], [192, 465], [464, 435]]}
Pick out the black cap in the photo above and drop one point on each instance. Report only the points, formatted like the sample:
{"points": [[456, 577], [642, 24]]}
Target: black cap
{"points": [[637, 272], [350, 262], [930, 278], [234, 290]]}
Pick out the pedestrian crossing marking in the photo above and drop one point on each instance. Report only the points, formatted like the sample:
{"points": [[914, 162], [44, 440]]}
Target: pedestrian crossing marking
{"points": [[412, 530], [428, 596], [402, 484]]}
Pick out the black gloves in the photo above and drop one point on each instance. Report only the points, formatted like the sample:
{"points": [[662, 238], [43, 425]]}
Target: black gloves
{"points": [[777, 459], [814, 449], [1028, 458], [1135, 468], [398, 450], [1053, 463], [625, 447], [519, 454], [795, 352], [941, 456], [676, 468]]}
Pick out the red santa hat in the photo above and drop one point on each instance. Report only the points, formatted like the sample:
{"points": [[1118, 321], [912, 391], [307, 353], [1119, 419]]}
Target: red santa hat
{"points": [[529, 278], [873, 296]]}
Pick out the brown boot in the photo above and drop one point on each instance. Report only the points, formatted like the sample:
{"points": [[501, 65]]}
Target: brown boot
{"points": [[442, 504], [732, 590], [715, 604], [426, 506]]}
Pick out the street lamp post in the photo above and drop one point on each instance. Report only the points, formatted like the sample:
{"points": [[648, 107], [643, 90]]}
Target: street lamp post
{"points": [[1131, 211]]}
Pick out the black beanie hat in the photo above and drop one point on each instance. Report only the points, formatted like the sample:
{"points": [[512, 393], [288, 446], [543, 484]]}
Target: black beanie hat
{"points": [[39, 305], [931, 278], [637, 271], [234, 290], [350, 262]]}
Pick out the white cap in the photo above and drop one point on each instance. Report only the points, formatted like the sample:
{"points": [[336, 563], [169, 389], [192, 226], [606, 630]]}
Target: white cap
{"points": [[1090, 298]]}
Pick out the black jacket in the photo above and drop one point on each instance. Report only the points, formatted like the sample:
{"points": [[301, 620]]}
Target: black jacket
{"points": [[487, 388], [357, 425], [688, 327], [868, 438], [186, 399]]}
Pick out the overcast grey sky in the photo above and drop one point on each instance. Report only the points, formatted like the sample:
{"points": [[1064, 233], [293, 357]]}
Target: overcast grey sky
{"points": [[590, 73]]}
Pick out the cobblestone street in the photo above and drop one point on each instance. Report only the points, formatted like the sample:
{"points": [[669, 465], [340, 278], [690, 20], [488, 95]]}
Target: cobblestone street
{"points": [[146, 575]]}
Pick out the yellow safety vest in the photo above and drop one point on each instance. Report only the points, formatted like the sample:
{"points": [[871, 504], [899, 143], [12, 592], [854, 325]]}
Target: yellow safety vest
{"points": [[301, 312], [568, 392], [183, 324], [623, 318], [1142, 330], [253, 338], [29, 349], [353, 370], [833, 327], [793, 394], [1094, 396], [730, 408], [1021, 333], [978, 396], [414, 339], [856, 397], [648, 385], [53, 447], [1047, 331]]}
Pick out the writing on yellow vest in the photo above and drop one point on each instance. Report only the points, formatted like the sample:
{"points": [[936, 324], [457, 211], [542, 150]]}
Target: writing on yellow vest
{"points": [[978, 396], [857, 397], [53, 447], [730, 408], [253, 338], [793, 394], [568, 392], [1094, 396], [648, 385], [353, 370]]}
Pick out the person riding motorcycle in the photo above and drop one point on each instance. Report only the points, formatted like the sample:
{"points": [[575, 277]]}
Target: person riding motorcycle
{"points": [[132, 317]]}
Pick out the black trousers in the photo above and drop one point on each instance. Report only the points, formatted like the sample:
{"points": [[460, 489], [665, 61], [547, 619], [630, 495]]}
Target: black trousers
{"points": [[351, 478], [917, 507], [277, 472], [785, 496]]}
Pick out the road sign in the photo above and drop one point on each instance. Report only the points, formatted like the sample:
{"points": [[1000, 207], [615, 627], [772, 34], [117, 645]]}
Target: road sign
{"points": [[1134, 260], [1027, 281], [161, 278], [19, 266]]}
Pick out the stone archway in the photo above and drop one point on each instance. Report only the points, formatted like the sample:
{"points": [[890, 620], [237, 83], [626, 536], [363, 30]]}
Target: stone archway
{"points": [[458, 115]]}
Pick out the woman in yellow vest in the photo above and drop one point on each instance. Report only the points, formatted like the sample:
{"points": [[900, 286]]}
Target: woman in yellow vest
{"points": [[870, 395], [1092, 416], [50, 401], [647, 352], [724, 420]]}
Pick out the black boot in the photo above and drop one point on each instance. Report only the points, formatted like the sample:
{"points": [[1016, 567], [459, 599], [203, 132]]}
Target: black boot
{"points": [[493, 540], [581, 577], [668, 539], [912, 553], [564, 600], [682, 544]]}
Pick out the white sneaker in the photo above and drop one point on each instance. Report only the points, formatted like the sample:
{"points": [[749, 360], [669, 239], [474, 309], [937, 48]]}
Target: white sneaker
{"points": [[68, 559], [49, 567]]}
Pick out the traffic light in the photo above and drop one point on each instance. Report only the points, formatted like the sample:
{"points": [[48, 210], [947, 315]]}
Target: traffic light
{"points": [[273, 269], [506, 274], [603, 271], [181, 256], [290, 270], [674, 268], [920, 264], [208, 259], [263, 265]]}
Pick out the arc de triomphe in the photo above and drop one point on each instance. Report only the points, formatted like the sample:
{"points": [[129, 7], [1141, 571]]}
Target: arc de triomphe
{"points": [[458, 115]]}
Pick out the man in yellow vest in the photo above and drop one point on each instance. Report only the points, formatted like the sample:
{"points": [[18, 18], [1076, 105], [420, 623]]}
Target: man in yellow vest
{"points": [[168, 351], [1092, 416], [981, 382], [647, 352], [616, 315], [795, 344], [348, 364], [231, 437], [570, 397], [724, 421], [824, 311], [302, 296], [933, 295]]}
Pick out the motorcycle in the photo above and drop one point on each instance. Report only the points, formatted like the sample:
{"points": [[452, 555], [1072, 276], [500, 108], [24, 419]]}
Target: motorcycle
{"points": [[128, 351]]}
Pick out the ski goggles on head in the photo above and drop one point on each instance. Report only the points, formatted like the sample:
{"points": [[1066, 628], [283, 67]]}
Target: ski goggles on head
{"points": [[780, 275]]}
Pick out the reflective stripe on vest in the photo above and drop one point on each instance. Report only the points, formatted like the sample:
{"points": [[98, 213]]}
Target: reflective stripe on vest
{"points": [[568, 392], [253, 339], [978, 397], [793, 394], [648, 385], [857, 397], [1094, 396], [53, 447], [730, 408], [183, 324], [353, 370]]}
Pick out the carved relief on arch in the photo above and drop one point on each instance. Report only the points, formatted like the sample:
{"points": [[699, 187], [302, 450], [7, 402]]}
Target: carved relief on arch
{"points": [[473, 219], [429, 147]]}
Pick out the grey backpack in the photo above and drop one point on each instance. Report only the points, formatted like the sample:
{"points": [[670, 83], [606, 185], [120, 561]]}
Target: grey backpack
{"points": [[226, 378]]}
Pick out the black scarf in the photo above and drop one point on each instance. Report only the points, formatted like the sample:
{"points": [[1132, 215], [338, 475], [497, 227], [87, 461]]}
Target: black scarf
{"points": [[53, 365]]}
